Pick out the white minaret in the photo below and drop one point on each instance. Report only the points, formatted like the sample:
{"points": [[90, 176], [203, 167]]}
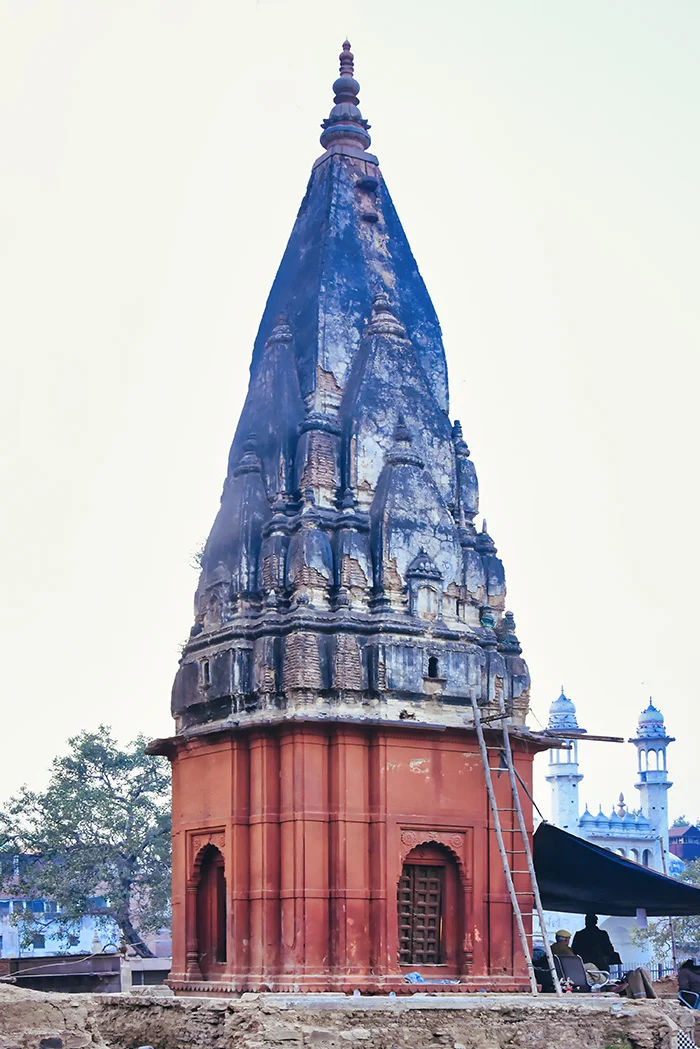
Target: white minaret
{"points": [[562, 772], [653, 784]]}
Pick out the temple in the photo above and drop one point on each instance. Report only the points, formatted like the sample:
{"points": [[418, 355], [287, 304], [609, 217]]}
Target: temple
{"points": [[331, 826]]}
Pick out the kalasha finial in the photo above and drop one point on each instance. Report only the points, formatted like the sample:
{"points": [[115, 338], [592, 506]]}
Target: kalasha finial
{"points": [[345, 125], [347, 60]]}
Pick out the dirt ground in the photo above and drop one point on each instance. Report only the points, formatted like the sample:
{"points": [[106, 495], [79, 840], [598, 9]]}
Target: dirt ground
{"points": [[32, 1020]]}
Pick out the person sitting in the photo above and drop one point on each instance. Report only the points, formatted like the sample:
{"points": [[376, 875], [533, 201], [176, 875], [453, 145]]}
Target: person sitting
{"points": [[561, 942], [689, 980], [541, 967], [593, 945]]}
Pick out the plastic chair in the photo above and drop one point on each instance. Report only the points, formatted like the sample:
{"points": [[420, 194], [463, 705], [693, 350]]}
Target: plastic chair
{"points": [[694, 1003], [571, 967]]}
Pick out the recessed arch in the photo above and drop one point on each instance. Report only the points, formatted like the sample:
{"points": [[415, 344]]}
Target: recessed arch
{"points": [[211, 914], [430, 906]]}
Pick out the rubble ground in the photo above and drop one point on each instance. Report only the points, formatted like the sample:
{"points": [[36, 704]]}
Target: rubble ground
{"points": [[34, 1020]]}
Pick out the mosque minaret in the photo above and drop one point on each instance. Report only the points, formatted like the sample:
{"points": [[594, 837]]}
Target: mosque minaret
{"points": [[638, 837]]}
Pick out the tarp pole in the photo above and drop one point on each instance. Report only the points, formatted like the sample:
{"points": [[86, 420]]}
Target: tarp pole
{"points": [[671, 926]]}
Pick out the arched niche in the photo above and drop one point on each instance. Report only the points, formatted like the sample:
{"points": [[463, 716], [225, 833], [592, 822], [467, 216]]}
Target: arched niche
{"points": [[210, 874]]}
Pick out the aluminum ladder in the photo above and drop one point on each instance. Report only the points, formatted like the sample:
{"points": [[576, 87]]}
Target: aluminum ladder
{"points": [[506, 755]]}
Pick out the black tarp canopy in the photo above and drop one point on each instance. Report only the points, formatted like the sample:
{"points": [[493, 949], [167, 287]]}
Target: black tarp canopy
{"points": [[581, 878]]}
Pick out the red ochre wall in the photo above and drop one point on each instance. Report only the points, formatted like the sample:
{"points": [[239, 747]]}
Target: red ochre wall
{"points": [[314, 823]]}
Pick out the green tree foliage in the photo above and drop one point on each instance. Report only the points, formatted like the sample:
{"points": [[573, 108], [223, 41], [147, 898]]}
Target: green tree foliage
{"points": [[100, 829], [686, 930]]}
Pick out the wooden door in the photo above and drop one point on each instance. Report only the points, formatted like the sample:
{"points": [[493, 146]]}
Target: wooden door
{"points": [[421, 890]]}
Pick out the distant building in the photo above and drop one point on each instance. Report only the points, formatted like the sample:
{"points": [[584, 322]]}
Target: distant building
{"points": [[87, 939], [684, 842], [639, 837]]}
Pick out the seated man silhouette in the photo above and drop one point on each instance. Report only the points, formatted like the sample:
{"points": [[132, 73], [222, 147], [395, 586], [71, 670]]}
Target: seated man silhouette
{"points": [[593, 945], [561, 942]]}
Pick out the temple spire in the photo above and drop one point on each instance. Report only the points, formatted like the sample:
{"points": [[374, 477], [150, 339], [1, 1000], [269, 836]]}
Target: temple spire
{"points": [[345, 125]]}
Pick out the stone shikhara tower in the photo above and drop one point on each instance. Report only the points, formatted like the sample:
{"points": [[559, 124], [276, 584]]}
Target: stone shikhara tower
{"points": [[347, 611]]}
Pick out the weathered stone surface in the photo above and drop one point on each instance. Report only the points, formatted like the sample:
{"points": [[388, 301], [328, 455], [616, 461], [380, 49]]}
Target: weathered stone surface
{"points": [[335, 1022], [344, 476]]}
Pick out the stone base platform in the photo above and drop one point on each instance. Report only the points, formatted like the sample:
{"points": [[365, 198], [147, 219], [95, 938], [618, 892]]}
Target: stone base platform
{"points": [[329, 1021]]}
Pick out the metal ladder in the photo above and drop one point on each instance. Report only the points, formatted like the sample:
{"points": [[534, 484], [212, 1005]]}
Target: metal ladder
{"points": [[506, 754]]}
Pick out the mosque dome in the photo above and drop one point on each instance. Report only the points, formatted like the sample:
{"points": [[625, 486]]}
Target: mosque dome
{"points": [[562, 714], [601, 821], [587, 819], [642, 822], [651, 723]]}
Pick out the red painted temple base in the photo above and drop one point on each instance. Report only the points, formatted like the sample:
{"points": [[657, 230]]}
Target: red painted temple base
{"points": [[333, 857]]}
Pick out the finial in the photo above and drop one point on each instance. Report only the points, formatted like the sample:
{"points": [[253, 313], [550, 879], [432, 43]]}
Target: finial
{"points": [[383, 320], [484, 542], [249, 462], [460, 444], [347, 60], [281, 332], [345, 125], [402, 451], [401, 432]]}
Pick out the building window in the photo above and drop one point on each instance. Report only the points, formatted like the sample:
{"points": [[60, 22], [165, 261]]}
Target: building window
{"points": [[433, 667], [36, 906], [206, 673], [4, 906], [420, 914], [39, 940], [646, 858]]}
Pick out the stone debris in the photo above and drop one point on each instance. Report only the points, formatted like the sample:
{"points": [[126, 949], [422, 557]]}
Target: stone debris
{"points": [[32, 1020]]}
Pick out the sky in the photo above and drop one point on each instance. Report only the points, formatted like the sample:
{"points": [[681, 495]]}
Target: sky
{"points": [[544, 159]]}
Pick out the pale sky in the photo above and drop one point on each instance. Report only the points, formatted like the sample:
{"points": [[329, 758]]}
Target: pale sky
{"points": [[544, 158]]}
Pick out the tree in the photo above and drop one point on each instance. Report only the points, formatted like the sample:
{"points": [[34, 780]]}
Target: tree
{"points": [[101, 829], [657, 935]]}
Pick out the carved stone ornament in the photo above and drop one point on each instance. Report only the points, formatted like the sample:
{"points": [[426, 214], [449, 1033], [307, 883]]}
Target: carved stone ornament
{"points": [[200, 839], [454, 840]]}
